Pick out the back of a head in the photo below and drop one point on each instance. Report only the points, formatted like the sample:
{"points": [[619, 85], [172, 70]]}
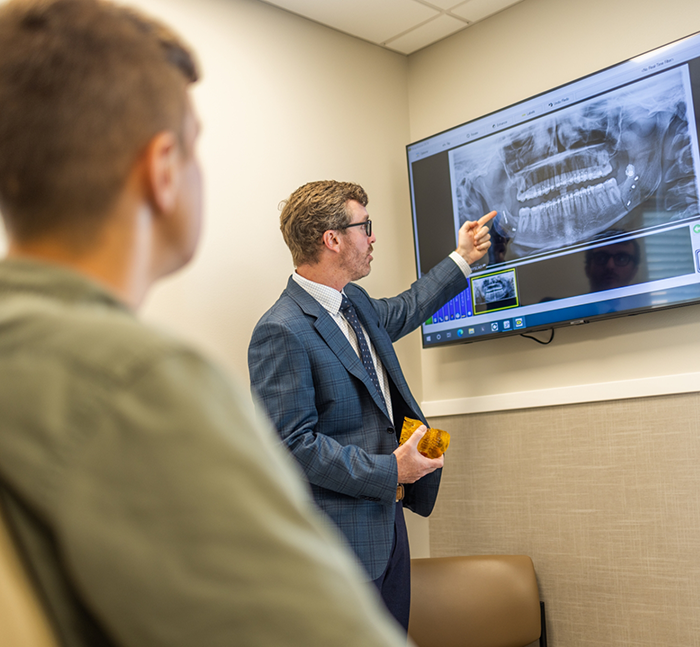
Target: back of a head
{"points": [[84, 86]]}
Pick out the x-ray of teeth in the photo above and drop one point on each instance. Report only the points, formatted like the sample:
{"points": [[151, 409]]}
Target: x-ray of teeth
{"points": [[493, 288], [565, 177]]}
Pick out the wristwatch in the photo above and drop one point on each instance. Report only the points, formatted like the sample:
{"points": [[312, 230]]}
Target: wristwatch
{"points": [[399, 492]]}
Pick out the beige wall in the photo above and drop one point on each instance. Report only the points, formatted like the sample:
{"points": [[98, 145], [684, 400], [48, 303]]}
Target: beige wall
{"points": [[283, 101], [529, 48], [605, 499]]}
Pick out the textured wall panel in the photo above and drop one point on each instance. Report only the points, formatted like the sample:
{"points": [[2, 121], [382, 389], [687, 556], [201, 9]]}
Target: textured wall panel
{"points": [[604, 497]]}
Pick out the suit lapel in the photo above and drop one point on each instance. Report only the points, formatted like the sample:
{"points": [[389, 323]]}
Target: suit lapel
{"points": [[334, 338], [383, 346]]}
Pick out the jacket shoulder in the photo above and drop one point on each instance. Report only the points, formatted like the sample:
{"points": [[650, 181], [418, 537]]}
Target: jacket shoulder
{"points": [[89, 337], [286, 313]]}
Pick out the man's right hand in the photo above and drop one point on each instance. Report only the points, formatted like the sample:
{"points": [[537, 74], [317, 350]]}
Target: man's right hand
{"points": [[474, 238], [411, 463]]}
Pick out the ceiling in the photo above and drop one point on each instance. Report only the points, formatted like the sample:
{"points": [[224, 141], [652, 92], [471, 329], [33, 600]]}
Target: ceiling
{"points": [[403, 26]]}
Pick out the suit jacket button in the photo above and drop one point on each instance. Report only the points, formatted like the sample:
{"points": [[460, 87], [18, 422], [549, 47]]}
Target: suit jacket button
{"points": [[390, 430]]}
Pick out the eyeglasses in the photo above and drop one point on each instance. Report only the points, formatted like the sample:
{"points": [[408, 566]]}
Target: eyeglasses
{"points": [[367, 224], [621, 259]]}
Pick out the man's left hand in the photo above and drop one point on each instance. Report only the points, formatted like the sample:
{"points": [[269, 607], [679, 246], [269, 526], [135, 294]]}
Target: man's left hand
{"points": [[474, 238]]}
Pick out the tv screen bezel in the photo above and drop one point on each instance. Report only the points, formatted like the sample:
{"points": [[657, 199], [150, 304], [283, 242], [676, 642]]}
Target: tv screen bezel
{"points": [[568, 320]]}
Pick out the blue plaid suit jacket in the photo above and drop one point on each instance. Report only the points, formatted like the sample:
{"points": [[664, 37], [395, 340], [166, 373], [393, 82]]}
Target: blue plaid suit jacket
{"points": [[323, 404]]}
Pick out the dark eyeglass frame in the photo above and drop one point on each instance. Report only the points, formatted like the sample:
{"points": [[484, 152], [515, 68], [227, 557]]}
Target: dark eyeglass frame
{"points": [[367, 224], [621, 259]]}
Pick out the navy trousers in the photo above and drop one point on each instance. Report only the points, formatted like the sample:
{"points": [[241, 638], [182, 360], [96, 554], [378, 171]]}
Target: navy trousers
{"points": [[394, 583]]}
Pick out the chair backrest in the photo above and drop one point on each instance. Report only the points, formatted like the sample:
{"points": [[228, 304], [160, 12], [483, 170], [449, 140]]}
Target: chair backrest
{"points": [[476, 601], [23, 621]]}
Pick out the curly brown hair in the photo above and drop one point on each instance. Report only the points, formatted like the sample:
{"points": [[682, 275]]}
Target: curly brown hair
{"points": [[312, 210], [84, 86]]}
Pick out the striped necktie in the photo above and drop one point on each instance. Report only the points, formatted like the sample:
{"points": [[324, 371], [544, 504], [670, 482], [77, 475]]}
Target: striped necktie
{"points": [[348, 311]]}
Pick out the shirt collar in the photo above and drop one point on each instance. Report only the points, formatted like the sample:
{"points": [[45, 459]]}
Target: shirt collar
{"points": [[329, 298], [54, 281]]}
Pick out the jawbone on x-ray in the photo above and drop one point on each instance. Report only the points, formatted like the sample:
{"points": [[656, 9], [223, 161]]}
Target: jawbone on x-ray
{"points": [[568, 176], [494, 288]]}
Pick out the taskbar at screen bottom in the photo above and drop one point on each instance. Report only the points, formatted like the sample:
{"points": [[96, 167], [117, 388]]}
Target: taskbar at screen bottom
{"points": [[579, 314], [466, 332]]}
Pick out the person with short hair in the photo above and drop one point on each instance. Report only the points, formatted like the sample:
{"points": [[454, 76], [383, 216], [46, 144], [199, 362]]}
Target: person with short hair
{"points": [[323, 366], [152, 505], [612, 266]]}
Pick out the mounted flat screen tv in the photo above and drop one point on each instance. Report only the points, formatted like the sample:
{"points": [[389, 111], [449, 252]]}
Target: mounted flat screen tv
{"points": [[596, 186]]}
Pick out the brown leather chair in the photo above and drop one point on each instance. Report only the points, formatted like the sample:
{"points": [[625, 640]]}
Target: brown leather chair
{"points": [[23, 622], [476, 601]]}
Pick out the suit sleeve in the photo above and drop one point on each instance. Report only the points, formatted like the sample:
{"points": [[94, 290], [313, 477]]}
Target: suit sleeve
{"points": [[402, 314], [282, 378]]}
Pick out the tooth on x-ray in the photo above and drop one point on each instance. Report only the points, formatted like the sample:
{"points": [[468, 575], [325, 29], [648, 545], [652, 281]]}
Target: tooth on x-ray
{"points": [[564, 178], [494, 288]]}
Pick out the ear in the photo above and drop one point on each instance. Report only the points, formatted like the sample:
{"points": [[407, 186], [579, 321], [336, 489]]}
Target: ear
{"points": [[331, 240], [163, 171]]}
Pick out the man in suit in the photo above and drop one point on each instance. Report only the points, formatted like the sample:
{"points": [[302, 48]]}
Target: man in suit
{"points": [[322, 363]]}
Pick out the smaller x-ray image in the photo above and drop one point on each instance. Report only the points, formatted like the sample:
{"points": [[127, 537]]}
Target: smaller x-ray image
{"points": [[494, 292]]}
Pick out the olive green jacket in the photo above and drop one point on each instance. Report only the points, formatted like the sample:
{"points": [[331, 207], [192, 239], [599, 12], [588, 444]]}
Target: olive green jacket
{"points": [[152, 504]]}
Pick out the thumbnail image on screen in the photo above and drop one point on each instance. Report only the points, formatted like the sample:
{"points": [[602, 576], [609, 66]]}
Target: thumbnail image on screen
{"points": [[492, 292]]}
